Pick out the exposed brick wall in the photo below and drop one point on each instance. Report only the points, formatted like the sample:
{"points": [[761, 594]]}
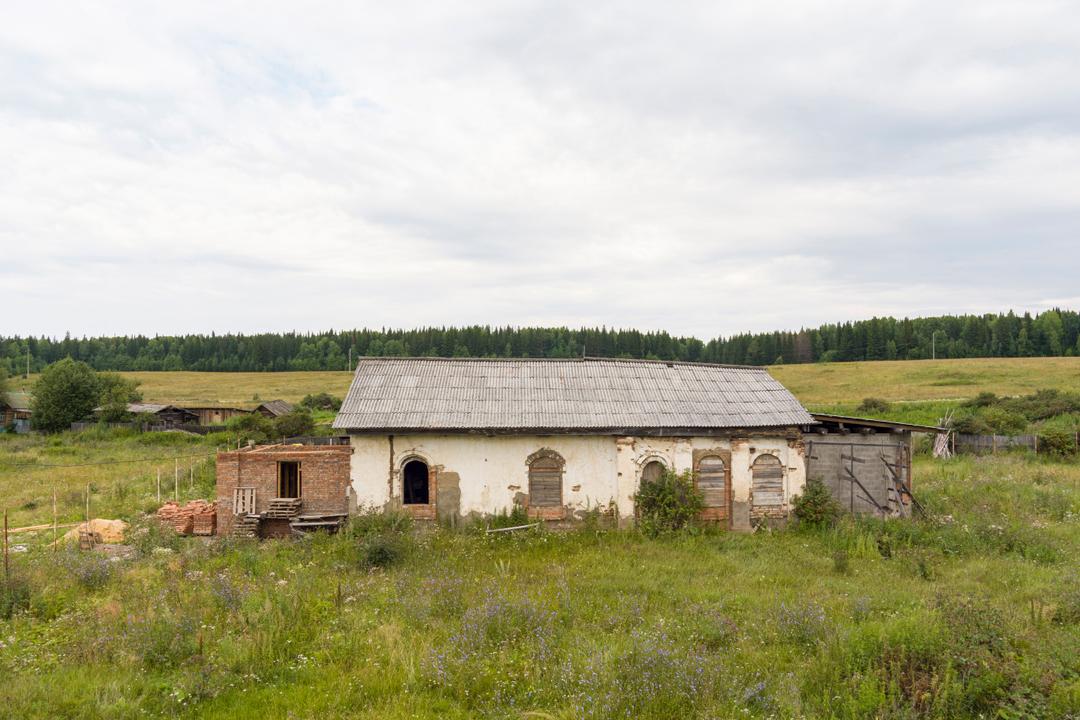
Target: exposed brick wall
{"points": [[324, 471]]}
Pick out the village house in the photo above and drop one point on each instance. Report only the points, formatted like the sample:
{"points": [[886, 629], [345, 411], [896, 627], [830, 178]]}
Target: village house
{"points": [[170, 415], [15, 412], [459, 438]]}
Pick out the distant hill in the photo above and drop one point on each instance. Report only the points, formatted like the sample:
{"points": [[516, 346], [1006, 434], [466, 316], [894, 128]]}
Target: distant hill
{"points": [[1051, 333]]}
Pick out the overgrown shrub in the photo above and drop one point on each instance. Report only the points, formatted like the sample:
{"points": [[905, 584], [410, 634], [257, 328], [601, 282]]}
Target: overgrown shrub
{"points": [[373, 521], [1057, 442], [14, 595], [815, 507], [667, 503], [321, 401], [873, 405], [382, 550], [515, 517]]}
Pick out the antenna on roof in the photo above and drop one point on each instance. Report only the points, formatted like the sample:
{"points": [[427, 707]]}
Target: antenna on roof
{"points": [[582, 349]]}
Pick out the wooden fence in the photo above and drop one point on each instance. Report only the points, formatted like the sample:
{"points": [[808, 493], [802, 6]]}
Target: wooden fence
{"points": [[151, 427], [980, 444]]}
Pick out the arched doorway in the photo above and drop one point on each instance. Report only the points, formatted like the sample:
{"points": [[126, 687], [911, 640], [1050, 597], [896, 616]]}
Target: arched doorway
{"points": [[414, 483]]}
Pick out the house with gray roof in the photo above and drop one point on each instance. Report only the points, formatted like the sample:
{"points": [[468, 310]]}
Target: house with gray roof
{"points": [[451, 437]]}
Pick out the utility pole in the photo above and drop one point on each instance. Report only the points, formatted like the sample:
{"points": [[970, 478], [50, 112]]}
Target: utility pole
{"points": [[933, 345], [27, 375]]}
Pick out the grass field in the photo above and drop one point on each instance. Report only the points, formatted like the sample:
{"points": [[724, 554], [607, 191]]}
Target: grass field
{"points": [[973, 615], [828, 384]]}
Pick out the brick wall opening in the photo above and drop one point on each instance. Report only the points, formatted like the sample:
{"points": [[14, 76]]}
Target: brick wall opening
{"points": [[288, 479], [415, 483]]}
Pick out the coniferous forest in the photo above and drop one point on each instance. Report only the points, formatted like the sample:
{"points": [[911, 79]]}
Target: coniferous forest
{"points": [[1050, 333]]}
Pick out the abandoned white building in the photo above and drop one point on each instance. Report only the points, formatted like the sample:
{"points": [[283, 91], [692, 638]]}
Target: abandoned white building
{"points": [[467, 437]]}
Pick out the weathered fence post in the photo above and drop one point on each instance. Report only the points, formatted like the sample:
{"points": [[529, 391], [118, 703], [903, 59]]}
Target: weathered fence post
{"points": [[7, 569], [176, 480], [159, 484], [54, 538]]}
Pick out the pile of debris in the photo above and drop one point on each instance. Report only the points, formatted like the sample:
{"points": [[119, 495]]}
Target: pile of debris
{"points": [[198, 517]]}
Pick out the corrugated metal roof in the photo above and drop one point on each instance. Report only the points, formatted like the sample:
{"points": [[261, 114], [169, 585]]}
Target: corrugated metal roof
{"points": [[583, 394]]}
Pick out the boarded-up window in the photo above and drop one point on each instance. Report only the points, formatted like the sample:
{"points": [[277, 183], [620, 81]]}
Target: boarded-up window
{"points": [[545, 482], [712, 481], [652, 471], [768, 486]]}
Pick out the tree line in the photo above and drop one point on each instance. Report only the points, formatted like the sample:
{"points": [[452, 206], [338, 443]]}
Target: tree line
{"points": [[1050, 333]]}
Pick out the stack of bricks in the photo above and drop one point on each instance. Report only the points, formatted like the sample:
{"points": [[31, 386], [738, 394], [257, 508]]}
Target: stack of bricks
{"points": [[204, 520], [198, 517]]}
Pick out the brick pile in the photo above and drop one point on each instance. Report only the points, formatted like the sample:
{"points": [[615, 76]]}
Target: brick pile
{"points": [[198, 517]]}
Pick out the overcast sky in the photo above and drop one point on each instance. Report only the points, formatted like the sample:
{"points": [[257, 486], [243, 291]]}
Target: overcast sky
{"points": [[702, 168]]}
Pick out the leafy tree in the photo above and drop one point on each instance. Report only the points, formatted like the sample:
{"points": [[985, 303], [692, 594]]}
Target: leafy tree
{"points": [[66, 392], [252, 426], [115, 392], [3, 383]]}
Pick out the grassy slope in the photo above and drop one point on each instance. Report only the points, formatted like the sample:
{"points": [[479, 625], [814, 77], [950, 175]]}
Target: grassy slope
{"points": [[911, 380]]}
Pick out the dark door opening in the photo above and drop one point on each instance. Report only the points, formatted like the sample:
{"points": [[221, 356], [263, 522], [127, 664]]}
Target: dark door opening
{"points": [[289, 479], [415, 483]]}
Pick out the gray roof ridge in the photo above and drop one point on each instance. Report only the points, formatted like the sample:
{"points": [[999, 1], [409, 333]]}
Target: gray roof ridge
{"points": [[587, 358]]}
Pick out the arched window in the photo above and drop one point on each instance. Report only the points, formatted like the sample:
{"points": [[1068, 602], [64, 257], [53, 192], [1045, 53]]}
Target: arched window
{"points": [[414, 483], [545, 480], [712, 482], [768, 481], [652, 471]]}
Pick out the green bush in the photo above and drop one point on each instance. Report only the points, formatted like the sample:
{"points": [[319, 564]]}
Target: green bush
{"points": [[1057, 442], [298, 422], [815, 507], [381, 550], [321, 401], [873, 405], [669, 503]]}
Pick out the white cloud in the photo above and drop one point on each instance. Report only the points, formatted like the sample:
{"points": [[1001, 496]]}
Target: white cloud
{"points": [[705, 169]]}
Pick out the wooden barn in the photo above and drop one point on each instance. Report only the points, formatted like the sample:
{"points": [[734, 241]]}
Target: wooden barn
{"points": [[274, 408]]}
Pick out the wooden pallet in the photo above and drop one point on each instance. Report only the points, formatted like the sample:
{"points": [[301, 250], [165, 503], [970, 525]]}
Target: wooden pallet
{"points": [[245, 526], [330, 522], [282, 509]]}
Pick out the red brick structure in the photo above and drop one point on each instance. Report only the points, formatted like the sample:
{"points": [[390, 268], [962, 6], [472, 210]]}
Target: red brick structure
{"points": [[306, 480]]}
